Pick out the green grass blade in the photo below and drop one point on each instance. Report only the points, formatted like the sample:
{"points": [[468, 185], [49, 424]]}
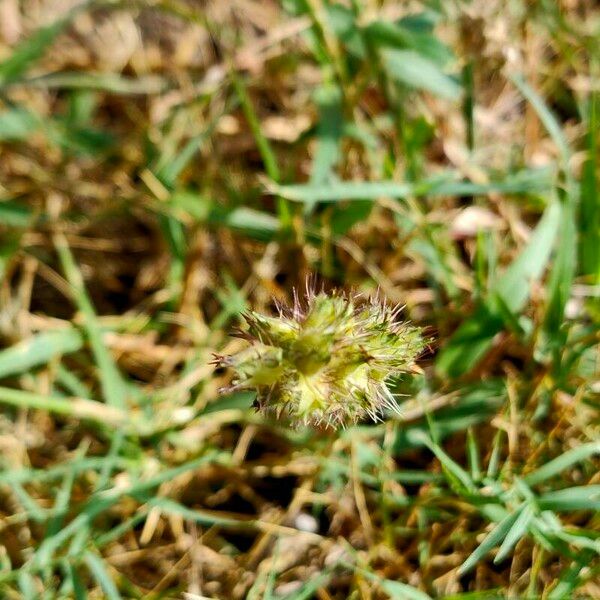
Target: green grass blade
{"points": [[80, 408], [562, 462], [76, 585], [97, 568], [15, 214], [396, 590], [32, 49], [547, 118], [38, 350], [329, 132], [493, 538], [447, 185], [456, 473], [589, 211], [411, 69], [563, 272], [17, 124], [586, 497], [113, 386], [474, 337], [401, 591], [34, 510], [473, 455], [517, 531], [310, 588], [27, 586]]}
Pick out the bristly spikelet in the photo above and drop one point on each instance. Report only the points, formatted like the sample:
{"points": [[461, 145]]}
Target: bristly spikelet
{"points": [[325, 360]]}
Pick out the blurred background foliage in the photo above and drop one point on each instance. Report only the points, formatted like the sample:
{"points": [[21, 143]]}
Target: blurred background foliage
{"points": [[167, 164]]}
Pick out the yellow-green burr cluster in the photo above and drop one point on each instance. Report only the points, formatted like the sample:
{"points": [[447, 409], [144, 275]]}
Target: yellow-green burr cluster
{"points": [[326, 360]]}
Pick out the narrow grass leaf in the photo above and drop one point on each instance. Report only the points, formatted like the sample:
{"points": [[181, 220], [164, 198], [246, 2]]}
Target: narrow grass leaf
{"points": [[77, 588], [15, 214], [311, 587], [546, 116], [329, 132], [98, 569], [414, 70], [402, 591], [395, 589], [80, 408], [31, 49], [33, 509], [530, 181], [70, 382], [562, 462], [113, 385], [61, 504], [456, 473], [262, 143], [517, 531], [395, 35], [474, 337], [589, 209], [569, 579], [17, 124], [50, 474], [27, 586], [38, 350], [514, 285], [113, 83], [473, 455], [492, 539], [344, 190], [585, 497], [206, 518], [121, 529]]}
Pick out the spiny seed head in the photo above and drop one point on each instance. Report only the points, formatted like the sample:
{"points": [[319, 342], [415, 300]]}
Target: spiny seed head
{"points": [[325, 360]]}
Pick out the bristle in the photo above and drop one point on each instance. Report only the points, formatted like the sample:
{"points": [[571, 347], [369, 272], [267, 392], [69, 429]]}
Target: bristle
{"points": [[325, 360]]}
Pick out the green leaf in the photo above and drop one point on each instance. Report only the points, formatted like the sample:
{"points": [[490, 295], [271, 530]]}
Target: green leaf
{"points": [[38, 350], [15, 214], [309, 589], [17, 124], [409, 68], [524, 182], [517, 531], [329, 132], [98, 570], [395, 35], [79, 408], [247, 220], [474, 337], [402, 591], [113, 83], [395, 589], [27, 586], [32, 49], [113, 385], [456, 474], [474, 404], [563, 271], [586, 497], [589, 210], [493, 538], [206, 518], [514, 285], [562, 462], [547, 118]]}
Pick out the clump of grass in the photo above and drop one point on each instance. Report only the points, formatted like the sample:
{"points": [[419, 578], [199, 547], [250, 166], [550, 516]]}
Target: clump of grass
{"points": [[157, 181], [325, 360]]}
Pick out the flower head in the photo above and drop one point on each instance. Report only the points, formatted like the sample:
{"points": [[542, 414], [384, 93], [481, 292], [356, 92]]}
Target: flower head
{"points": [[326, 360]]}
